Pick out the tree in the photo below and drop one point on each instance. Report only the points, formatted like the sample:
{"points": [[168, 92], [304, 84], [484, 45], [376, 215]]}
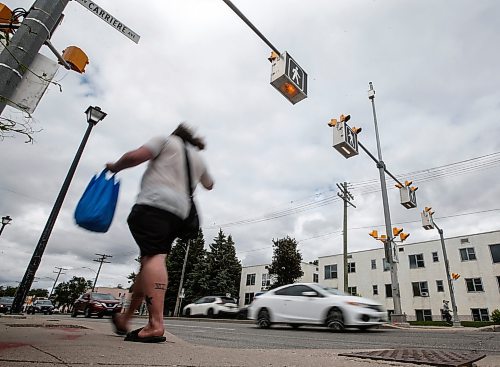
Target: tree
{"points": [[175, 261], [8, 291], [39, 292], [223, 267], [66, 293], [286, 265]]}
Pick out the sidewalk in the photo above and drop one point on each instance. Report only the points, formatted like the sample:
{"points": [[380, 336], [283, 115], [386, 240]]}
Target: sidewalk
{"points": [[31, 341]]}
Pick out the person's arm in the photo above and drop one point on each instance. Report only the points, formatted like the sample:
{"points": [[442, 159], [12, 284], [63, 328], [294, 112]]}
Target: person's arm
{"points": [[130, 159], [207, 181]]}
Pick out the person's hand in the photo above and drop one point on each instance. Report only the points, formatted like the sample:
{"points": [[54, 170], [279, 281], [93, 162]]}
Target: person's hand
{"points": [[111, 167]]}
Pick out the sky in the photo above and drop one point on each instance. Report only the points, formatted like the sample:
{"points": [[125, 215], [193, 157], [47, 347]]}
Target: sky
{"points": [[434, 67]]}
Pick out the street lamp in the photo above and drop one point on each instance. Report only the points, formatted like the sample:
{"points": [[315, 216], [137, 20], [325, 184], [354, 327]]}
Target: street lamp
{"points": [[429, 223], [5, 220], [94, 115]]}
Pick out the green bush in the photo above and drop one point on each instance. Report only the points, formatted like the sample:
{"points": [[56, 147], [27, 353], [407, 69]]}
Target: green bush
{"points": [[477, 323], [495, 316], [445, 324], [429, 323]]}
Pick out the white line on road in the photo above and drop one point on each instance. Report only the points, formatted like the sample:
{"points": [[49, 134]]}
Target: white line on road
{"points": [[199, 327]]}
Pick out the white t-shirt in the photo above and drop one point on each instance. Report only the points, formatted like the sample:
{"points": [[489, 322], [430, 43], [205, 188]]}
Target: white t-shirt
{"points": [[164, 183]]}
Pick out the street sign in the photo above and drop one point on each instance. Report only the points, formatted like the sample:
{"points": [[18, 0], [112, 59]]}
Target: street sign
{"points": [[289, 78], [345, 140], [111, 20]]}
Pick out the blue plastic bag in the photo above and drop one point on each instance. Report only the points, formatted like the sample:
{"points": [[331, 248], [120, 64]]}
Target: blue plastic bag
{"points": [[96, 208]]}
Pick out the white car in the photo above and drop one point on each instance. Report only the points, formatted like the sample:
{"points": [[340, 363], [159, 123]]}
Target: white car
{"points": [[310, 303], [212, 306]]}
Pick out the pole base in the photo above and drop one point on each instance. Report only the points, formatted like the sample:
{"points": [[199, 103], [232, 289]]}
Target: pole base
{"points": [[457, 324], [399, 320]]}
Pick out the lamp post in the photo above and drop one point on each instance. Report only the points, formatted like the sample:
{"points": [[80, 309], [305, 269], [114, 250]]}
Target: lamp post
{"points": [[5, 220], [94, 115], [180, 295]]}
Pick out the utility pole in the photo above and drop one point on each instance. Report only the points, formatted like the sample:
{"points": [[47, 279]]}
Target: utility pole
{"points": [[398, 316], [346, 196], [57, 277], [181, 283], [37, 28], [101, 260]]}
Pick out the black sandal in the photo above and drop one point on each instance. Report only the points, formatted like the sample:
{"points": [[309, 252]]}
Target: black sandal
{"points": [[133, 336]]}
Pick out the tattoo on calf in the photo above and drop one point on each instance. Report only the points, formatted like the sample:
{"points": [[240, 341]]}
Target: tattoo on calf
{"points": [[149, 300], [160, 286]]}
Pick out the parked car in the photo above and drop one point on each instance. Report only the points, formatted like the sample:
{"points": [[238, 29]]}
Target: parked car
{"points": [[6, 304], [44, 306], [243, 311], [310, 303], [212, 306], [94, 303]]}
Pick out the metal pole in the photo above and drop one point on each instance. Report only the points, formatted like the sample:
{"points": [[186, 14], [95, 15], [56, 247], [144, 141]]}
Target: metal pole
{"points": [[97, 276], [398, 316], [55, 281], [1, 229], [456, 320], [100, 261], [346, 276], [29, 275], [181, 283], [16, 58]]}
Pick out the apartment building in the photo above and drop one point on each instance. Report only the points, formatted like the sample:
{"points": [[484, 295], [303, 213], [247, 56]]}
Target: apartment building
{"points": [[421, 272]]}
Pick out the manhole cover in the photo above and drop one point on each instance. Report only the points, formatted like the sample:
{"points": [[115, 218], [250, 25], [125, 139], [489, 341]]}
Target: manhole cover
{"points": [[421, 356], [60, 326]]}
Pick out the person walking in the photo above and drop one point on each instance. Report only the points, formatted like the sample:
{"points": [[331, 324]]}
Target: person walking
{"points": [[156, 218], [446, 311]]}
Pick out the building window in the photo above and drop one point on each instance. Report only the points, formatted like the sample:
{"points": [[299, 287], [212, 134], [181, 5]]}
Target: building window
{"points": [[315, 278], [250, 279], [467, 254], [474, 285], [423, 315], [416, 261], [374, 264], [388, 290], [439, 286], [464, 240], [266, 280], [351, 267], [353, 291], [420, 289], [401, 249], [480, 314], [386, 264], [495, 253], [435, 257], [248, 298], [375, 290], [331, 271]]}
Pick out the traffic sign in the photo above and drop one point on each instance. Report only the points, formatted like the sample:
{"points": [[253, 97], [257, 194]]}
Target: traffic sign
{"points": [[111, 20]]}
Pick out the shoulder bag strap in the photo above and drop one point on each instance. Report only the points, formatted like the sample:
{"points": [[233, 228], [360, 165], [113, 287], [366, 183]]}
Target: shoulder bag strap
{"points": [[188, 167]]}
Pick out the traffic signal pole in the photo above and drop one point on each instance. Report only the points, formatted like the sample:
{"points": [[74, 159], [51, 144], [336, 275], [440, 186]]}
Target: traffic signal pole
{"points": [[456, 320], [398, 316], [16, 58]]}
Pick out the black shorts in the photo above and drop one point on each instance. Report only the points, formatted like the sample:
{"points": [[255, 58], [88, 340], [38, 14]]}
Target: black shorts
{"points": [[153, 229]]}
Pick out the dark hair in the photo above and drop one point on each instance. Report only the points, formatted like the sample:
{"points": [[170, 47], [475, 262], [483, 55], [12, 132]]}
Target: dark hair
{"points": [[185, 133]]}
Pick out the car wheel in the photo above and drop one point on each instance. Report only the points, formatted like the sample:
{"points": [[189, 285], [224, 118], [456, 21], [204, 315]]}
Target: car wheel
{"points": [[188, 312], [295, 326], [335, 320], [100, 315], [74, 313], [87, 312], [263, 319], [210, 312]]}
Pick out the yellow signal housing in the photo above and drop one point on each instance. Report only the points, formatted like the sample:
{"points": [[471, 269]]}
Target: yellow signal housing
{"points": [[356, 130], [76, 58], [455, 276], [383, 237], [427, 208], [6, 18], [396, 231], [332, 122], [413, 188], [408, 183], [374, 234], [399, 186], [345, 118], [403, 236], [273, 56]]}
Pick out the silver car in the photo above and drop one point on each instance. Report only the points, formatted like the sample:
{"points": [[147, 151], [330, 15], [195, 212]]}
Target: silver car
{"points": [[313, 304]]}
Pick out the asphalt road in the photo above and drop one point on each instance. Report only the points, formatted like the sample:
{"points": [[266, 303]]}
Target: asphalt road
{"points": [[235, 334]]}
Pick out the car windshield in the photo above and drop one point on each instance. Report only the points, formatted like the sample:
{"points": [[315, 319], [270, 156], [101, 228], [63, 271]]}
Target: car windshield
{"points": [[332, 290], [227, 300], [45, 303], [6, 300], [103, 296]]}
